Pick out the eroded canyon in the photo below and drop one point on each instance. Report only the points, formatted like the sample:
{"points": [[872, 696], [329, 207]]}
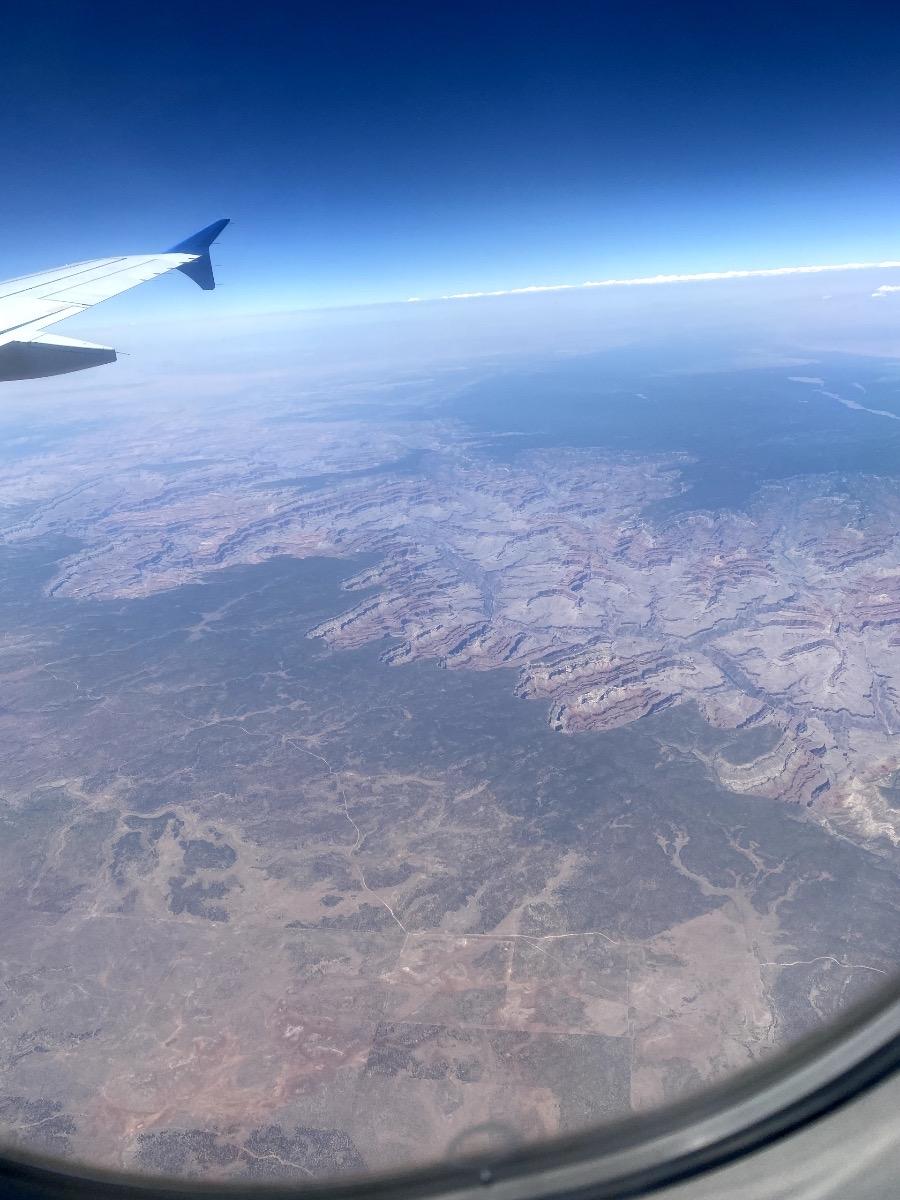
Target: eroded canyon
{"points": [[369, 777]]}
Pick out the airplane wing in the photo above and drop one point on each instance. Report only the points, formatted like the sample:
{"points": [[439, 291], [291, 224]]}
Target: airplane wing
{"points": [[32, 303]]}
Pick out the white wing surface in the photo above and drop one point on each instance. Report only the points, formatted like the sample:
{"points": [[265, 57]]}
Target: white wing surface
{"points": [[32, 303]]}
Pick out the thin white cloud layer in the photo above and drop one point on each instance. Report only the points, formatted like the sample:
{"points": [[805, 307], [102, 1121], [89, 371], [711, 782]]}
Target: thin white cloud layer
{"points": [[702, 277], [885, 290]]}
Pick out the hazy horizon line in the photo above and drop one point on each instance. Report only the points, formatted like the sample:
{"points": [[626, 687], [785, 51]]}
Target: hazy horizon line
{"points": [[656, 280]]}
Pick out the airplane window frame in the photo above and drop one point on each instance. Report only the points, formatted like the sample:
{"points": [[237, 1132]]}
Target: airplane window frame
{"points": [[632, 1157]]}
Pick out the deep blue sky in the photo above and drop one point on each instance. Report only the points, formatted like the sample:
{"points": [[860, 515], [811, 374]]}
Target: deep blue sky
{"points": [[375, 151]]}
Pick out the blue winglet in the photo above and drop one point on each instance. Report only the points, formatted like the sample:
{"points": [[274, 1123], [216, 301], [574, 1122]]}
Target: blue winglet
{"points": [[200, 269]]}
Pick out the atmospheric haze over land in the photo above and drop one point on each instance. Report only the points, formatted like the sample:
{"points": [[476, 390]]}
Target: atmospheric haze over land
{"points": [[471, 709]]}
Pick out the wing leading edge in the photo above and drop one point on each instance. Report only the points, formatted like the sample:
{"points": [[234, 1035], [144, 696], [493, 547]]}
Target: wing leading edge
{"points": [[30, 304]]}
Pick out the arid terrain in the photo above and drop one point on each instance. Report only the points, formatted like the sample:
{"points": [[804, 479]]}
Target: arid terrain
{"points": [[370, 774]]}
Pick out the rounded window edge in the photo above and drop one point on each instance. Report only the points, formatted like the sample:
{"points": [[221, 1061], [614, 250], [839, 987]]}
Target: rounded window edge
{"points": [[634, 1156]]}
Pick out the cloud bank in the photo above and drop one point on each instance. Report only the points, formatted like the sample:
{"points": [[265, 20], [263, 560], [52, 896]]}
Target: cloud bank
{"points": [[885, 290], [654, 280]]}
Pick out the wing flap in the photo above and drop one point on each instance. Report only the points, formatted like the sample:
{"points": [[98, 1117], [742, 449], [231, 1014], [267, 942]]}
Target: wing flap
{"points": [[23, 322], [128, 274], [41, 279]]}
